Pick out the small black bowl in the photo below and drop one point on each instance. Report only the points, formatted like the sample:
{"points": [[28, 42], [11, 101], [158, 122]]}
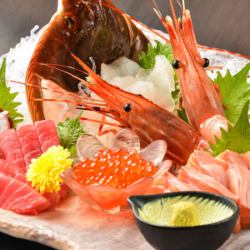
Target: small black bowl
{"points": [[204, 237]]}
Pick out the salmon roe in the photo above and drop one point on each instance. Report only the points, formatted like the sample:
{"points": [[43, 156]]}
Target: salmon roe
{"points": [[117, 169]]}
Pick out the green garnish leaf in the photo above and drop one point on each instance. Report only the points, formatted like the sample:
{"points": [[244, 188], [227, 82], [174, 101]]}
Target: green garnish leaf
{"points": [[147, 60], [237, 138], [183, 114], [235, 92], [7, 99], [69, 131]]}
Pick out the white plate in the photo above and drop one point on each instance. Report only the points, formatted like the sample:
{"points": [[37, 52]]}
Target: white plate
{"points": [[73, 226]]}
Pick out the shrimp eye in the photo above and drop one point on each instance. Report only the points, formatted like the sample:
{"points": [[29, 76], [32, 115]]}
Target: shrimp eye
{"points": [[176, 64], [206, 63], [127, 107], [70, 22]]}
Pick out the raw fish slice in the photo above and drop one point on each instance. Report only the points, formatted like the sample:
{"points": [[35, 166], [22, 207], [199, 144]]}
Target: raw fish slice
{"points": [[29, 136], [33, 145], [6, 133], [205, 163], [155, 152], [44, 126], [23, 130], [20, 163], [47, 144], [246, 158], [13, 170], [53, 198], [234, 158], [9, 143], [32, 155], [14, 155], [46, 136], [126, 139], [176, 185], [239, 179], [204, 182], [27, 200], [64, 191]]}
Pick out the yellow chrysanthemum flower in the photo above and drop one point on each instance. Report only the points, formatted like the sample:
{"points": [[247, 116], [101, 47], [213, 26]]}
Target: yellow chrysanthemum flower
{"points": [[44, 172]]}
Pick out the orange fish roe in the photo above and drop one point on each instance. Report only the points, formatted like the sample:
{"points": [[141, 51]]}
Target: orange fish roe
{"points": [[117, 169]]}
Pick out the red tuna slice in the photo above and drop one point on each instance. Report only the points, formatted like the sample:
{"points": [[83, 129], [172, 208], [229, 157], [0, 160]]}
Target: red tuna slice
{"points": [[32, 155], [204, 182], [23, 130], [9, 143], [176, 185], [47, 134], [44, 126], [13, 170], [47, 144], [6, 133], [20, 198], [64, 191], [53, 198], [20, 163], [31, 146], [205, 163], [30, 136], [14, 155]]}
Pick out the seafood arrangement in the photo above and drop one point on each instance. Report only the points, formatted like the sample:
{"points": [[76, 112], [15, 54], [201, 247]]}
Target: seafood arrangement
{"points": [[163, 124]]}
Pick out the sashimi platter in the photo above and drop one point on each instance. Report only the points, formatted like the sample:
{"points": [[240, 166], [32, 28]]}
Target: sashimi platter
{"points": [[114, 135]]}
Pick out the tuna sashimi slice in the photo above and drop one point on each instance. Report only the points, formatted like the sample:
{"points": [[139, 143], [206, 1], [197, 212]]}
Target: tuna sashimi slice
{"points": [[13, 170], [14, 155], [9, 143], [44, 126], [5, 133], [47, 134], [23, 130], [47, 144], [31, 146], [32, 155], [19, 197], [204, 182]]}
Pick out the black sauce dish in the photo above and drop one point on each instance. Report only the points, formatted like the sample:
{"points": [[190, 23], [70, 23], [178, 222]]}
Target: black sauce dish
{"points": [[202, 237]]}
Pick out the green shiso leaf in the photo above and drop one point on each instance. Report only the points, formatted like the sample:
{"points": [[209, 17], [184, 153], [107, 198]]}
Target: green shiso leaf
{"points": [[235, 92], [237, 138], [7, 99], [147, 60], [69, 131]]}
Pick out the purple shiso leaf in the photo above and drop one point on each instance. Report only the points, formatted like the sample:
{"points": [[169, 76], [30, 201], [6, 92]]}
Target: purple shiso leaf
{"points": [[126, 139], [87, 146], [155, 152]]}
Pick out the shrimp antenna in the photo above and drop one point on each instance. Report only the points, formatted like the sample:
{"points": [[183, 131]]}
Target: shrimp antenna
{"points": [[179, 3], [183, 4], [173, 13], [156, 9]]}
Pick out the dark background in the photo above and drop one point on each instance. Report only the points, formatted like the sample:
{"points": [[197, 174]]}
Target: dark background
{"points": [[219, 23]]}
